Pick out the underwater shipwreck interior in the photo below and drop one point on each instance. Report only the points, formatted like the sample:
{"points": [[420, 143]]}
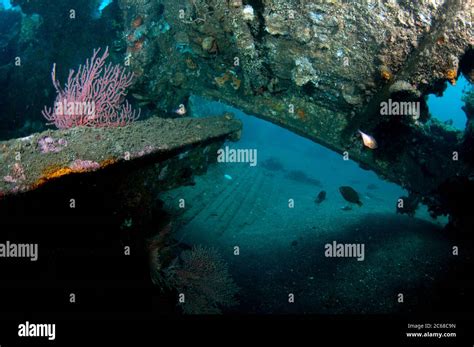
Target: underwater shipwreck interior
{"points": [[188, 159]]}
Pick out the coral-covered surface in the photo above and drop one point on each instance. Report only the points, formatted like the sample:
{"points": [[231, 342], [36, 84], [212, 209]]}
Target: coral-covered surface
{"points": [[28, 163]]}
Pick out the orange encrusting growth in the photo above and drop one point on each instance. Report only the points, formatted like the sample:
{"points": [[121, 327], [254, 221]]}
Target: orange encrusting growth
{"points": [[386, 75], [54, 172], [301, 114], [236, 83], [220, 81], [138, 21], [451, 76], [107, 162]]}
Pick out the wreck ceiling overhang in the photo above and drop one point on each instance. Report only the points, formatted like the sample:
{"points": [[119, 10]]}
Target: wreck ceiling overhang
{"points": [[319, 68]]}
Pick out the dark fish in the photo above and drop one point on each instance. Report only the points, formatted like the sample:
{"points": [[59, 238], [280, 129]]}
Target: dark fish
{"points": [[346, 208], [349, 194], [372, 186], [294, 243], [321, 197]]}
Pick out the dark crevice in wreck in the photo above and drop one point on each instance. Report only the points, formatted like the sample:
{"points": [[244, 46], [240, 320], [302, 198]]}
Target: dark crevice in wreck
{"points": [[467, 65], [258, 8]]}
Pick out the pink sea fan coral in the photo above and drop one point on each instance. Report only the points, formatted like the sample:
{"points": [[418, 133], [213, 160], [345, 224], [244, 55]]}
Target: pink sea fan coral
{"points": [[203, 277], [93, 96]]}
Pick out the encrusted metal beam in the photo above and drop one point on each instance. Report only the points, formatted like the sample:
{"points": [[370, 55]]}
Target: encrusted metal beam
{"points": [[30, 162]]}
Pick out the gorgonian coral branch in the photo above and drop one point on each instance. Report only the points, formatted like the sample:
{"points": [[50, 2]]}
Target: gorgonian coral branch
{"points": [[93, 96]]}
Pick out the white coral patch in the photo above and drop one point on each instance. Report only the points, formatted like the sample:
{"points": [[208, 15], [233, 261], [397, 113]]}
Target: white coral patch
{"points": [[248, 13]]}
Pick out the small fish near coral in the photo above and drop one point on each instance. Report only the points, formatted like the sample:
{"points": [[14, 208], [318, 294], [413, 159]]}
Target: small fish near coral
{"points": [[368, 140], [181, 110]]}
